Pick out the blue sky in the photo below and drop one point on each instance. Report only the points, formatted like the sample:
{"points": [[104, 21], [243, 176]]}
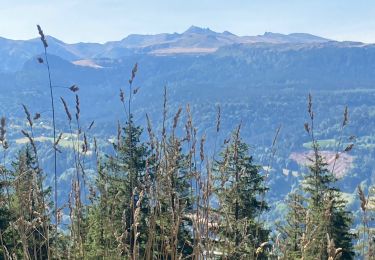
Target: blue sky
{"points": [[104, 20]]}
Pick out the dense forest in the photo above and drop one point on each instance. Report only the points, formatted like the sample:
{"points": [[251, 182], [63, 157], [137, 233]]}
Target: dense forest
{"points": [[176, 194]]}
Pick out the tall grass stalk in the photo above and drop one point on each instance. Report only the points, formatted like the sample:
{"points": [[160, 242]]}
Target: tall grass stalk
{"points": [[45, 45]]}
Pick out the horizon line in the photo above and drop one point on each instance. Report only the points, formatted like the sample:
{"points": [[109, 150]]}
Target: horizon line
{"points": [[180, 33]]}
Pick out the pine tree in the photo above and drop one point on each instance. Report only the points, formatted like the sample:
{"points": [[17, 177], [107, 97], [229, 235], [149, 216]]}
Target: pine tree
{"points": [[327, 212], [239, 188], [325, 207], [120, 185]]}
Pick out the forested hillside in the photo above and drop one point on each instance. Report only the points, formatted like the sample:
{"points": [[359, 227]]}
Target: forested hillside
{"points": [[187, 146]]}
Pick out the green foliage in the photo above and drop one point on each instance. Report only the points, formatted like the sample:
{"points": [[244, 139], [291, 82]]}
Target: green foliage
{"points": [[25, 223], [294, 226], [120, 182], [326, 211], [240, 190]]}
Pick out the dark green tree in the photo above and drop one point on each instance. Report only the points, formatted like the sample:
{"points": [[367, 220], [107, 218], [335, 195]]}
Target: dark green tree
{"points": [[240, 188], [121, 185], [326, 210]]}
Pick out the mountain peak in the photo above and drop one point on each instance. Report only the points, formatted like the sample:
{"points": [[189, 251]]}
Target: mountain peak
{"points": [[271, 34], [198, 30]]}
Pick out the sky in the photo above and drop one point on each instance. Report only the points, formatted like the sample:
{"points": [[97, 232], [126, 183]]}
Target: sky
{"points": [[107, 20]]}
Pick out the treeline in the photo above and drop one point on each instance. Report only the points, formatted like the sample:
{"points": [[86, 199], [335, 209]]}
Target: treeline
{"points": [[169, 197]]}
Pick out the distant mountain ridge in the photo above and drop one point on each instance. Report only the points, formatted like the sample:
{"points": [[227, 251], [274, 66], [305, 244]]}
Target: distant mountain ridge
{"points": [[194, 40]]}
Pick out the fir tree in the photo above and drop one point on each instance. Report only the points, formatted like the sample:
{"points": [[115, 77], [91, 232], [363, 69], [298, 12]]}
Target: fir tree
{"points": [[120, 183], [239, 188], [325, 207], [327, 212]]}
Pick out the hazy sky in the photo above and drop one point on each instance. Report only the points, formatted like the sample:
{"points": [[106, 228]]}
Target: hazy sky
{"points": [[104, 20]]}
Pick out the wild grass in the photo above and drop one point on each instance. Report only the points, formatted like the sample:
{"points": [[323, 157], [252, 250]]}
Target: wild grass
{"points": [[45, 45]]}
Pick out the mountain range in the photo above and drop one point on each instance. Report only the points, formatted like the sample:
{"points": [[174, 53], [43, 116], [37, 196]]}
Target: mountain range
{"points": [[194, 40]]}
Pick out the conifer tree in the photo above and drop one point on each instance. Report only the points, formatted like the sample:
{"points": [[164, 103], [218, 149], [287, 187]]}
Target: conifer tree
{"points": [[325, 207], [131, 170], [116, 219], [239, 186], [122, 191]]}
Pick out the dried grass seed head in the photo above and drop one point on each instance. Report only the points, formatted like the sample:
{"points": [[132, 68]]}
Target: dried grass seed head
{"points": [[349, 148], [176, 117], [28, 116], [77, 108], [134, 72], [2, 129], [307, 128], [201, 150], [74, 88], [122, 96], [42, 37], [218, 118], [66, 109], [346, 117], [135, 91], [91, 125], [36, 116], [309, 106], [362, 198]]}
